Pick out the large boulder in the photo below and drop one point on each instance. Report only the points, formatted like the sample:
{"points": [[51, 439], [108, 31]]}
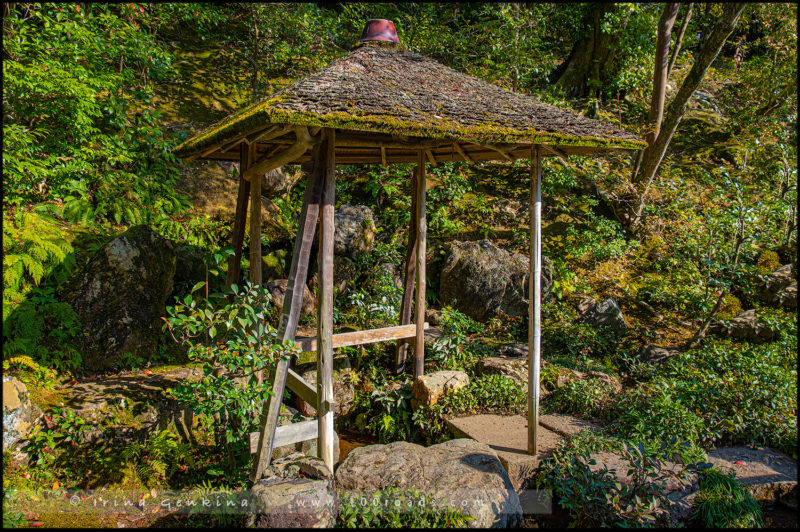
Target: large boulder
{"points": [[293, 503], [776, 283], [606, 313], [121, 295], [461, 472], [19, 413], [277, 289], [510, 360], [482, 280], [354, 230], [429, 388]]}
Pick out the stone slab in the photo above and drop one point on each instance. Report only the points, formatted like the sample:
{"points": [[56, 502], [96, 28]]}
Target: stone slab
{"points": [[566, 425], [768, 474], [508, 437]]}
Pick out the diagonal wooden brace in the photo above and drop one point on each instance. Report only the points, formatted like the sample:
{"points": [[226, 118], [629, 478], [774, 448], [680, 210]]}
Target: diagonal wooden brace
{"points": [[290, 315]]}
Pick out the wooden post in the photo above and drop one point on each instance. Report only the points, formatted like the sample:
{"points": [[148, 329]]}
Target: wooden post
{"points": [[239, 219], [255, 224], [422, 228], [325, 304], [290, 315], [534, 298], [408, 281]]}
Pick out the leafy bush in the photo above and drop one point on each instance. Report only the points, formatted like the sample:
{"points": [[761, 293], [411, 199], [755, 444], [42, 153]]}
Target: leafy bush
{"points": [[34, 247], [45, 330], [768, 262], [396, 508], [228, 336], [60, 426], [580, 397], [598, 499], [724, 503]]}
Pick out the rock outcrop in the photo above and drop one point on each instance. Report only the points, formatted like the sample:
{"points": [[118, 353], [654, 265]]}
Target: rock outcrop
{"points": [[745, 327], [606, 313], [429, 388], [462, 472], [482, 280], [278, 290], [121, 295], [19, 413], [354, 230]]}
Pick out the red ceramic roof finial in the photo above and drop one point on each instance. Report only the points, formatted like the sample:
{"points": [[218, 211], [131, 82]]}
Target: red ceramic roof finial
{"points": [[379, 29]]}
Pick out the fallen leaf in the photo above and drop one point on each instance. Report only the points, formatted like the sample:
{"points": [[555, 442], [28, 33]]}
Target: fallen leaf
{"points": [[741, 463]]}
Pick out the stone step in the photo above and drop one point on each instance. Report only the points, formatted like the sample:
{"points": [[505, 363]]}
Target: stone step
{"points": [[508, 437]]}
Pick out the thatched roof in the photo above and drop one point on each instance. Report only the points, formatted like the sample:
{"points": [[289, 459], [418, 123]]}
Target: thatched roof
{"points": [[386, 102]]}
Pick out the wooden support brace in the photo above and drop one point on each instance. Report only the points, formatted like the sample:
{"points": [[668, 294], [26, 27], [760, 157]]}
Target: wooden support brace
{"points": [[534, 298], [430, 156], [371, 336], [239, 220], [288, 434], [557, 152], [422, 229], [255, 225], [383, 157], [290, 315], [408, 282], [462, 153], [325, 399]]}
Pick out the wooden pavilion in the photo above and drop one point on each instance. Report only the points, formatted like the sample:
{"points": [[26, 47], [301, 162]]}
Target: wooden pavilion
{"points": [[381, 104]]}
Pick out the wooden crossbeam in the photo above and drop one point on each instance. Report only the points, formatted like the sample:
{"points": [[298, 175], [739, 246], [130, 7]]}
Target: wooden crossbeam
{"points": [[371, 336], [462, 153], [288, 434]]}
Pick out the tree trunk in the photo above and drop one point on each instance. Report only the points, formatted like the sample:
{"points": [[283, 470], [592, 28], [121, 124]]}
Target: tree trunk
{"points": [[580, 75], [660, 73], [654, 154], [679, 39]]}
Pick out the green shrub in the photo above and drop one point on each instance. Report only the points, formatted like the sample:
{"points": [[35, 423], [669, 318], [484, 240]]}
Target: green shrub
{"points": [[598, 499], [724, 503], [158, 458], [396, 508], [768, 262], [730, 307], [580, 397], [227, 335], [45, 330]]}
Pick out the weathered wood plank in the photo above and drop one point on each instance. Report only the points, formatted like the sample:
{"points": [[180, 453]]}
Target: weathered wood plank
{"points": [[462, 153], [255, 225], [301, 387], [535, 298], [288, 434], [422, 229], [239, 220], [371, 336], [408, 281], [290, 315], [325, 302]]}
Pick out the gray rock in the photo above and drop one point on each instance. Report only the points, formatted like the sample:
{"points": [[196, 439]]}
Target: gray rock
{"points": [[482, 280], [121, 294], [606, 313], [20, 414], [461, 472], [354, 230], [510, 360], [296, 464], [293, 503], [775, 284], [769, 475], [788, 296], [189, 266], [745, 327], [278, 290], [343, 393], [655, 354]]}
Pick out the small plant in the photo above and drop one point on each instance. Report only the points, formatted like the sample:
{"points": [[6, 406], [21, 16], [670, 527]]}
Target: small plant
{"points": [[724, 503], [583, 398], [158, 458], [396, 508], [768, 262], [60, 426]]}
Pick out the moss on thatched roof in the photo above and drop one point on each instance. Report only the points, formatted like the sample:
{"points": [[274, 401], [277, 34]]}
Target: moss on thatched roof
{"points": [[389, 90]]}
